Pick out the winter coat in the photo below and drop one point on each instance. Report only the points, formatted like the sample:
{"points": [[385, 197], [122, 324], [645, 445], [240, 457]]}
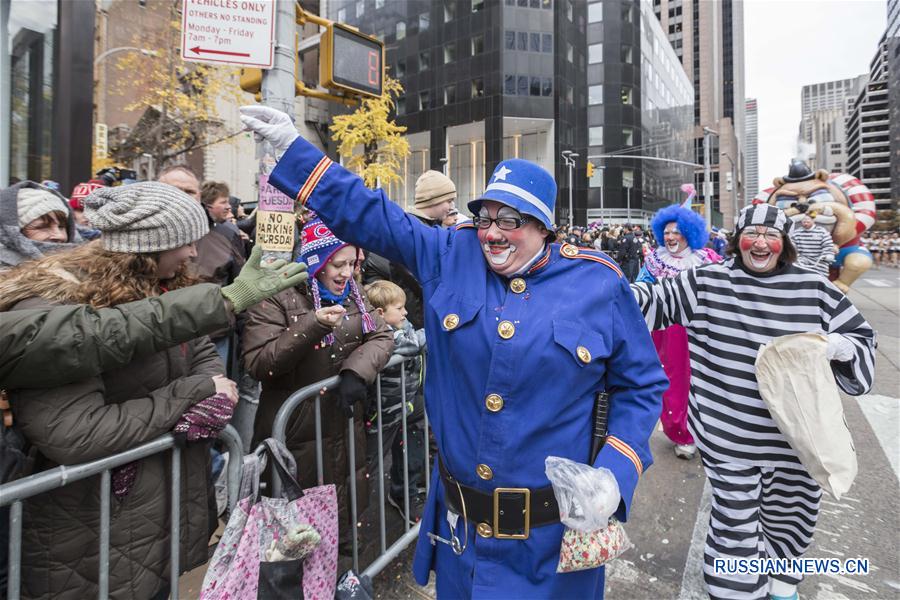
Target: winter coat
{"points": [[408, 342], [283, 349], [80, 341], [96, 417], [15, 247], [219, 256]]}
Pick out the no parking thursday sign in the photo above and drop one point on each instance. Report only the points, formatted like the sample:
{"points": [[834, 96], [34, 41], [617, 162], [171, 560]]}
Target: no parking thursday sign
{"points": [[231, 32]]}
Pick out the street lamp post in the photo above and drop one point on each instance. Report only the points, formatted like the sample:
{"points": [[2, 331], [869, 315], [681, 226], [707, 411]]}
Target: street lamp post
{"points": [[602, 183], [628, 184], [735, 199], [569, 158], [707, 183], [106, 53]]}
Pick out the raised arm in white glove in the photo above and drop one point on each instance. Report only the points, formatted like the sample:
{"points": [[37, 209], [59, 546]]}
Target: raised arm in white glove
{"points": [[271, 125], [587, 497], [839, 348]]}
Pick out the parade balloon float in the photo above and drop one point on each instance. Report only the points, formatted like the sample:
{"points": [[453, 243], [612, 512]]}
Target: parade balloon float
{"points": [[837, 202]]}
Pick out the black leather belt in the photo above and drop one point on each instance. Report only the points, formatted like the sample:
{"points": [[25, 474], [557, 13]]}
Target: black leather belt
{"points": [[505, 513]]}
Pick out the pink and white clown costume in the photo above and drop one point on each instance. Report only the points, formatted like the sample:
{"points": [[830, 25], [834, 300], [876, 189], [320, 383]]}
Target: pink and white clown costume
{"points": [[682, 236]]}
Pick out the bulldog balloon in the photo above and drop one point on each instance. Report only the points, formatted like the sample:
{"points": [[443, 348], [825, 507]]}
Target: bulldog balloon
{"points": [[837, 202]]}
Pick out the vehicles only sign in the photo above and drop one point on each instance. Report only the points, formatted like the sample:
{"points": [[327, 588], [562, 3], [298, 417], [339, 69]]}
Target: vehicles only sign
{"points": [[232, 32]]}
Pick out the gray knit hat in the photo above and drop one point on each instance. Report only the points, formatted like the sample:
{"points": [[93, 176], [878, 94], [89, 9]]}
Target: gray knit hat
{"points": [[145, 217], [34, 203]]}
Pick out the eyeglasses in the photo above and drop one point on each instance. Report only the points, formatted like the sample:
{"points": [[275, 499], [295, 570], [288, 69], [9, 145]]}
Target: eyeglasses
{"points": [[770, 236], [504, 223]]}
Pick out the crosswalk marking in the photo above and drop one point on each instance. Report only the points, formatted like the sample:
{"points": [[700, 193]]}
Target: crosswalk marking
{"points": [[692, 579], [878, 282], [884, 418]]}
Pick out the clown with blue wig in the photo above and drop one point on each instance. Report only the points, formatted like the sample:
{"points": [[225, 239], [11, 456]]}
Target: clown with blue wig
{"points": [[682, 235]]}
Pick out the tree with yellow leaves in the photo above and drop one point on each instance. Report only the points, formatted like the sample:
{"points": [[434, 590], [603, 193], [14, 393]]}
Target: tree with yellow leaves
{"points": [[382, 141], [177, 99]]}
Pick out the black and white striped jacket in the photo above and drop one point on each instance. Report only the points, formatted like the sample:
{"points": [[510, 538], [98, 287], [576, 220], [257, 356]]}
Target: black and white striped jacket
{"points": [[729, 313], [815, 248]]}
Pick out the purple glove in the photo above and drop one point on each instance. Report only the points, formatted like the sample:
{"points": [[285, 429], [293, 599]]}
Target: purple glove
{"points": [[205, 419]]}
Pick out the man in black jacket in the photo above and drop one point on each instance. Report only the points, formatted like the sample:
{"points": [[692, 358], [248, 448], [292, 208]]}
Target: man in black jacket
{"points": [[629, 254]]}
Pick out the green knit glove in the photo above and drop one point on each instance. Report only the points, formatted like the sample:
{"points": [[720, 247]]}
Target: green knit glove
{"points": [[256, 283]]}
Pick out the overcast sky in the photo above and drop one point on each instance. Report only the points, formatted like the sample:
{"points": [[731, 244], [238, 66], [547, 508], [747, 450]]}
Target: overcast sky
{"points": [[792, 43]]}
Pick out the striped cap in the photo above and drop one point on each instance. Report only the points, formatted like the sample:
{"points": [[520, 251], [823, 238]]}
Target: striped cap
{"points": [[764, 214], [524, 186]]}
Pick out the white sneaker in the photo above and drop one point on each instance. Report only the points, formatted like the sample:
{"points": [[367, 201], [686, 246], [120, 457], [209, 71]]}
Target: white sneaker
{"points": [[685, 451]]}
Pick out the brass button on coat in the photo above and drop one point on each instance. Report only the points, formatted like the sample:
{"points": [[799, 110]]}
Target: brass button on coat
{"points": [[506, 329], [451, 321], [484, 472], [493, 402], [583, 354], [517, 285], [485, 530]]}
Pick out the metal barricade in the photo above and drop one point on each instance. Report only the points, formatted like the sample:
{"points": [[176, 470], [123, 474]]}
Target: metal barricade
{"points": [[311, 392], [14, 492]]}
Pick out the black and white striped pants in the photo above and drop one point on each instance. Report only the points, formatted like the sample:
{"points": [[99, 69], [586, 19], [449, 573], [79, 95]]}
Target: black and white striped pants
{"points": [[757, 512]]}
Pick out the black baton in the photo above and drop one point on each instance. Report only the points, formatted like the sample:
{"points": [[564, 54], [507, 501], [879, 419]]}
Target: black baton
{"points": [[601, 423]]}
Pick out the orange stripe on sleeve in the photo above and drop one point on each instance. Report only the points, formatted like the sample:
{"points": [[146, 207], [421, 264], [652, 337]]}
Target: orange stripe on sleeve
{"points": [[313, 180], [627, 451]]}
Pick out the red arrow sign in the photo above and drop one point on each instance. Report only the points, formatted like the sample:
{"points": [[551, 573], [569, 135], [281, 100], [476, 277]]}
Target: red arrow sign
{"points": [[198, 50]]}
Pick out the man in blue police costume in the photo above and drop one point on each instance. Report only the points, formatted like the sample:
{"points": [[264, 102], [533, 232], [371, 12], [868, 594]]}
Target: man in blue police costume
{"points": [[522, 335]]}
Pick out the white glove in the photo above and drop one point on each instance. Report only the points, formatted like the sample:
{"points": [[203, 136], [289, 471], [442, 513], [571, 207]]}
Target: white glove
{"points": [[839, 348], [587, 497], [271, 125]]}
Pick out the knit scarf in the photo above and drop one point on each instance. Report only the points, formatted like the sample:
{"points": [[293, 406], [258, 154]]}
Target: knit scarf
{"points": [[663, 264], [352, 290]]}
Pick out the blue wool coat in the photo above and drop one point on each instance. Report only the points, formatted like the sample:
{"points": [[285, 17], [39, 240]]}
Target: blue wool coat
{"points": [[574, 300]]}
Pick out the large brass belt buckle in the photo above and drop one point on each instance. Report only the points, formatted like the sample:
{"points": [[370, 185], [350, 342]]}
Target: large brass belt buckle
{"points": [[527, 512]]}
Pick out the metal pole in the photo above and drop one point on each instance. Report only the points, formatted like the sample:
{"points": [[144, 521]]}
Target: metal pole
{"points": [[707, 183], [5, 93], [278, 89], [602, 183], [278, 82], [103, 557], [571, 216], [628, 192]]}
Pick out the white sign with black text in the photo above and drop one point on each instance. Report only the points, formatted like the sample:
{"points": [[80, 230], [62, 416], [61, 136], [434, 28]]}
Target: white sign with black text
{"points": [[231, 32]]}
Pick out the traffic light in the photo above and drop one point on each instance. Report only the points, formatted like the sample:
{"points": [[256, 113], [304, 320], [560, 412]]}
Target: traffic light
{"points": [[590, 169], [351, 61], [251, 81]]}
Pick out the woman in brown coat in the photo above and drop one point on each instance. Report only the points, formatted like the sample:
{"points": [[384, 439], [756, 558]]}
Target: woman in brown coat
{"points": [[148, 235], [306, 334]]}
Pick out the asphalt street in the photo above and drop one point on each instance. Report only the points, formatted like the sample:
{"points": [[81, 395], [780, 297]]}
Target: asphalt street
{"points": [[671, 510]]}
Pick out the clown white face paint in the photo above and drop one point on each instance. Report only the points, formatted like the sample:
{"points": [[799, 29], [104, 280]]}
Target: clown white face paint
{"points": [[675, 242], [760, 248], [508, 250]]}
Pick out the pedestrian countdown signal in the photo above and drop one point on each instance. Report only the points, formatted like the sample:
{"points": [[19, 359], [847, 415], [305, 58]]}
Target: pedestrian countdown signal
{"points": [[351, 61]]}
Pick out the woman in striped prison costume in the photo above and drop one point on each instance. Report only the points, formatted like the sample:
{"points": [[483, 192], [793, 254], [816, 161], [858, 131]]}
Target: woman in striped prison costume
{"points": [[764, 503]]}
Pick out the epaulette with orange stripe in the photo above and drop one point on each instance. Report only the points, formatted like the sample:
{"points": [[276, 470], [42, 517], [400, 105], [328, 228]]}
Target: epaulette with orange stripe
{"points": [[465, 225], [570, 251]]}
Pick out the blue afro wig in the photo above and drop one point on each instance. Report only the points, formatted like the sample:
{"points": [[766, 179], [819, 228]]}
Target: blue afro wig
{"points": [[691, 225]]}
